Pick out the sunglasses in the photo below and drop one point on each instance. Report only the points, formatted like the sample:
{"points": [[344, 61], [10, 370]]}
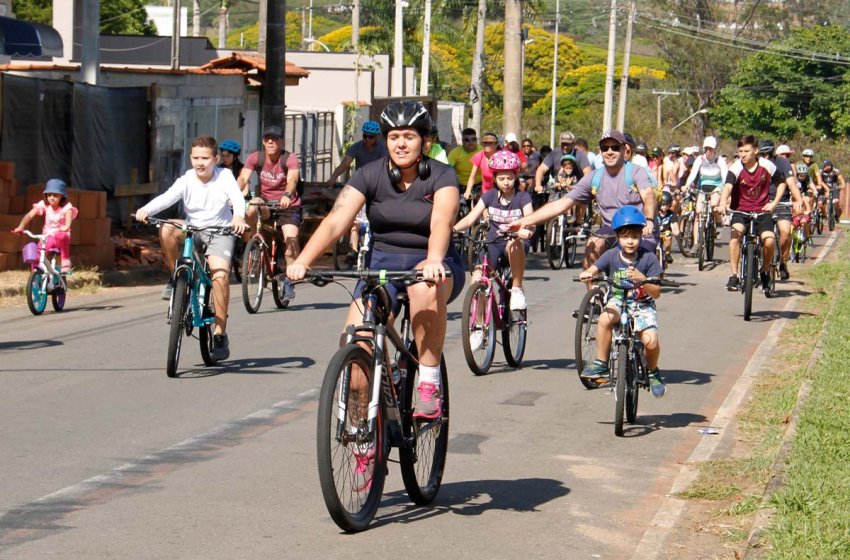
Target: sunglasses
{"points": [[368, 137], [470, 138], [610, 148], [566, 144], [486, 143]]}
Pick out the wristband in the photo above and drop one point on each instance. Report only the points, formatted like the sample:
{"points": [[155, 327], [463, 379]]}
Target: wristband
{"points": [[287, 195]]}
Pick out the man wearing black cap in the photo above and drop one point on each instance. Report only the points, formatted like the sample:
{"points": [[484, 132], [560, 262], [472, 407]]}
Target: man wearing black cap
{"points": [[278, 173], [553, 160], [612, 189]]}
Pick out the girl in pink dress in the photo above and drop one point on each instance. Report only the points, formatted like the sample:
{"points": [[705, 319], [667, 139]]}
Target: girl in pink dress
{"points": [[58, 214]]}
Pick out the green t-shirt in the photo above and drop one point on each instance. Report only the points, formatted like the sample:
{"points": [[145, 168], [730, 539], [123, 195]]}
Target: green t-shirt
{"points": [[461, 160]]}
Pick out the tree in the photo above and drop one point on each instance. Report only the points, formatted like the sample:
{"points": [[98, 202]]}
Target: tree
{"points": [[117, 17], [776, 94]]}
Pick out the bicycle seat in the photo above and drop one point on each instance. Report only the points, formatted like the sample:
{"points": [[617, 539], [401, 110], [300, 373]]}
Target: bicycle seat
{"points": [[53, 250]]}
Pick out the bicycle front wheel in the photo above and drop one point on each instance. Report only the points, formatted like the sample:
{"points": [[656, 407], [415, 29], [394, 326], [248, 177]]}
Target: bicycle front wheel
{"points": [[749, 279], [831, 218], [570, 252], [179, 306], [351, 457], [253, 275], [555, 242], [424, 460], [478, 331], [819, 223], [686, 236], [585, 335], [36, 292], [632, 389], [709, 239], [621, 367], [701, 247]]}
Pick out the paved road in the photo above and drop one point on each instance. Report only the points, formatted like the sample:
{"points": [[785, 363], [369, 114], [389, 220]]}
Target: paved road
{"points": [[105, 457]]}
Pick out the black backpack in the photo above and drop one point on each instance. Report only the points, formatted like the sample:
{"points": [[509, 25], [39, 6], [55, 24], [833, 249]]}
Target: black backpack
{"points": [[261, 160]]}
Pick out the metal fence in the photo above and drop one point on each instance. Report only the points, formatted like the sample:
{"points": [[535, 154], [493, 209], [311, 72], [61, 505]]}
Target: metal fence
{"points": [[310, 136]]}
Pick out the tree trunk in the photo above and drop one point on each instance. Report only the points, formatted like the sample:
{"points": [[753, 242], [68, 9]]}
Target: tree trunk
{"points": [[512, 107]]}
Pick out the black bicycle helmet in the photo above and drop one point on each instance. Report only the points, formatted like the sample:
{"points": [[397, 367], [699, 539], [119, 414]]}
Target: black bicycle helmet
{"points": [[406, 114], [666, 198]]}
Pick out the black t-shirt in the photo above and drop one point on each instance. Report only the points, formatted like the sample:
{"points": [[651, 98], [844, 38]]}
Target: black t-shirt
{"points": [[784, 170], [401, 220]]}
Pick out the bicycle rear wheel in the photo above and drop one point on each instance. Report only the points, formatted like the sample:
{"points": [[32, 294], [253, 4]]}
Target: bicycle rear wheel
{"points": [[424, 460], [179, 306], [351, 458], [36, 292], [585, 333], [686, 236], [205, 333], [341, 250], [253, 275], [555, 242], [709, 239], [478, 331], [633, 390], [621, 366], [514, 333], [818, 223], [57, 298], [749, 273]]}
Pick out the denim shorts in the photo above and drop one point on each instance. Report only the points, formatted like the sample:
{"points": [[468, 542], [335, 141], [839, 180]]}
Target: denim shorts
{"points": [[377, 260], [643, 313]]}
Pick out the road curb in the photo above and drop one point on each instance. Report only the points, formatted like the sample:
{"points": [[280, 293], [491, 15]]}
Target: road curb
{"points": [[666, 519]]}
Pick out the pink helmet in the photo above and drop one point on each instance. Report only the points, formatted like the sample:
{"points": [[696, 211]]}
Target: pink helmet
{"points": [[504, 160]]}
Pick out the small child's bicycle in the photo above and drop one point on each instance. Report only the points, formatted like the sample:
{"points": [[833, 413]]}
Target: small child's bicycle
{"points": [[486, 308], [45, 277], [627, 362], [191, 304]]}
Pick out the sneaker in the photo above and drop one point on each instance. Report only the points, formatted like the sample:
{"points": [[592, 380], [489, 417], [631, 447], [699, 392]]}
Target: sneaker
{"points": [[783, 272], [765, 282], [732, 284], [288, 290], [476, 339], [517, 301], [167, 291], [656, 384], [221, 347], [430, 402], [364, 457], [598, 369]]}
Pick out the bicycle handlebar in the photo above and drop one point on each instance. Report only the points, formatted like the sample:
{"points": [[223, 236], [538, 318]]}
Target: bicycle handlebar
{"points": [[221, 230], [323, 278], [40, 237], [628, 284]]}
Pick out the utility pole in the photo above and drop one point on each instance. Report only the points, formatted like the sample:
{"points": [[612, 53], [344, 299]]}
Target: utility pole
{"points": [[274, 102], [398, 53], [175, 37], [90, 51], [512, 106], [624, 82], [222, 25], [355, 24], [262, 25], [196, 18], [609, 72], [426, 50], [310, 26], [661, 95], [554, 75], [478, 68]]}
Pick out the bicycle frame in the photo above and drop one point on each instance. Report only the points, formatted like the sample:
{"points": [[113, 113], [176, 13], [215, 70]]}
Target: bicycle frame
{"points": [[195, 268], [489, 275], [269, 248]]}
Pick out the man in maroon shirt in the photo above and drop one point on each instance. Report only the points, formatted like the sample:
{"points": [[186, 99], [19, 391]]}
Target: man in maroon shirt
{"points": [[278, 180], [748, 186]]}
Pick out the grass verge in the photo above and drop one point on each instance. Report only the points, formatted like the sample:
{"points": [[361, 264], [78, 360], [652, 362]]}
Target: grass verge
{"points": [[731, 488]]}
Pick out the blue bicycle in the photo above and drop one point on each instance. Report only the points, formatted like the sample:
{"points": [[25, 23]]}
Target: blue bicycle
{"points": [[191, 305]]}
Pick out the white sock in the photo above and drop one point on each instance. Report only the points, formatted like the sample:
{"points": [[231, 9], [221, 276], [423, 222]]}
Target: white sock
{"points": [[429, 374]]}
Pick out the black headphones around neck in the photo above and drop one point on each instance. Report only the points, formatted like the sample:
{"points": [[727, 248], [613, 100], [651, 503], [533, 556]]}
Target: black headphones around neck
{"points": [[394, 171]]}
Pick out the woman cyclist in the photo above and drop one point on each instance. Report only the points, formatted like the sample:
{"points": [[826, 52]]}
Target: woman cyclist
{"points": [[411, 202], [504, 205], [230, 151], [490, 143]]}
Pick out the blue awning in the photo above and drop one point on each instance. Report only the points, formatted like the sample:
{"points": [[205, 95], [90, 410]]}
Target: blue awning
{"points": [[27, 38]]}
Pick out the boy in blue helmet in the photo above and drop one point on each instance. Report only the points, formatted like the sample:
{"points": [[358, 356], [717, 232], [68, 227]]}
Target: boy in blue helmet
{"points": [[628, 260]]}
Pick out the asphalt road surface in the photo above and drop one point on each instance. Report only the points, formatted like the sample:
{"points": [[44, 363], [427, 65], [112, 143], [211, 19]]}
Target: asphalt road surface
{"points": [[103, 456]]}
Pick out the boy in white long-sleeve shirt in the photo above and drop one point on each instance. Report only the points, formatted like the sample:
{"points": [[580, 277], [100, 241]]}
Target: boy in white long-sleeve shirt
{"points": [[211, 198]]}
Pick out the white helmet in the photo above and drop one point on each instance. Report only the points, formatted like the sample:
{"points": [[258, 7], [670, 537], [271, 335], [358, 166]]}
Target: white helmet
{"points": [[808, 152]]}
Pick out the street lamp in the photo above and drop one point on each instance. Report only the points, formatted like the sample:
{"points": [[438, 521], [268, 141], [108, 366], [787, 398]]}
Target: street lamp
{"points": [[700, 112]]}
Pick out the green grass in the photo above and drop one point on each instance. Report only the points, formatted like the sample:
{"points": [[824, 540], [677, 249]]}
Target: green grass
{"points": [[813, 507]]}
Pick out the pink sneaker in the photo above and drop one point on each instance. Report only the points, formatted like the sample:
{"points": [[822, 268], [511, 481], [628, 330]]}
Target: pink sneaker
{"points": [[364, 455], [430, 402]]}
